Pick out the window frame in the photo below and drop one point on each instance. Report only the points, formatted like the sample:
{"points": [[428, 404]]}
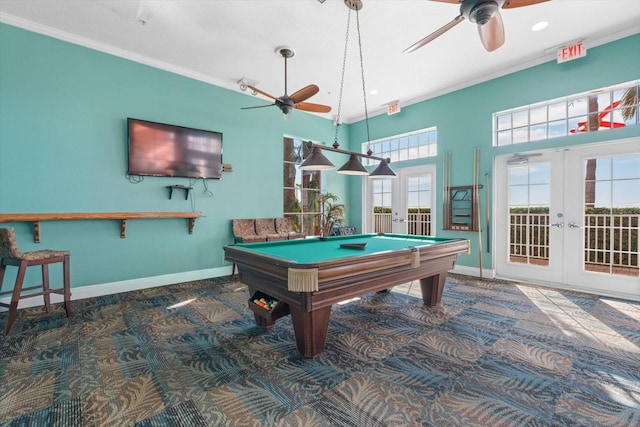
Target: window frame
{"points": [[565, 116]]}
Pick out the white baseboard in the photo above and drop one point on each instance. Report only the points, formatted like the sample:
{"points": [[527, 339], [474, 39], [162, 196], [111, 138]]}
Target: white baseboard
{"points": [[102, 289], [474, 271], [91, 291]]}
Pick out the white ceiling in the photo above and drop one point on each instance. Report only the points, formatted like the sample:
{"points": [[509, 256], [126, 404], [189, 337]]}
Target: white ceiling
{"points": [[222, 41]]}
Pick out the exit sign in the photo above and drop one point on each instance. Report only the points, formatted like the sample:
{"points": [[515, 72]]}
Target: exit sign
{"points": [[574, 51], [393, 108]]}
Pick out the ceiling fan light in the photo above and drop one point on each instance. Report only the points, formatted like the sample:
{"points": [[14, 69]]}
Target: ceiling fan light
{"points": [[382, 171], [482, 12], [316, 161], [353, 167]]}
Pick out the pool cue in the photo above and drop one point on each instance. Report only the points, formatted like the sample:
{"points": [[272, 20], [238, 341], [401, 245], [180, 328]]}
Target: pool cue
{"points": [[449, 167], [476, 179], [445, 188], [488, 208]]}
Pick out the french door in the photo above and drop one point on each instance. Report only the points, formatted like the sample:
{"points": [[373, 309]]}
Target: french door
{"points": [[402, 205], [569, 218]]}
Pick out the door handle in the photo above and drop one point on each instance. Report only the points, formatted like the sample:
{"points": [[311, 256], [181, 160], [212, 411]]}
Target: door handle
{"points": [[558, 224], [401, 219], [574, 225]]}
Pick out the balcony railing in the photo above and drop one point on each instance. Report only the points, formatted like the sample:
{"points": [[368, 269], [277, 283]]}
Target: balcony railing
{"points": [[610, 241], [382, 222], [417, 223]]}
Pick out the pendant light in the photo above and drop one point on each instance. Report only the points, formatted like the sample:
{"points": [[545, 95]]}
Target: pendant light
{"points": [[382, 171], [353, 167], [316, 161]]}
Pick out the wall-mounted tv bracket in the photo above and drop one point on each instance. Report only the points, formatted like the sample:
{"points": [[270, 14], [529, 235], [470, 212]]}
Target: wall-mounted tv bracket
{"points": [[179, 187]]}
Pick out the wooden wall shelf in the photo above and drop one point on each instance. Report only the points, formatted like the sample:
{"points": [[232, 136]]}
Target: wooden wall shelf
{"points": [[69, 216]]}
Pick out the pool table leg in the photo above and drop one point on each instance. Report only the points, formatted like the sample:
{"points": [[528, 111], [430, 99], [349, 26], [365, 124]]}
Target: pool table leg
{"points": [[310, 328], [432, 288]]}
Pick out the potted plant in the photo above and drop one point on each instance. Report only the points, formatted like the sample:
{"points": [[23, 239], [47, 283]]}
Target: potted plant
{"points": [[331, 213]]}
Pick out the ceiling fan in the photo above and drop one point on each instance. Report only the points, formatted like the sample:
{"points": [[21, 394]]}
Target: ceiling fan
{"points": [[287, 103], [484, 13]]}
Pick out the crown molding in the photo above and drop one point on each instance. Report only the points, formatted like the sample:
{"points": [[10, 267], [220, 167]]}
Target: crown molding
{"points": [[108, 49]]}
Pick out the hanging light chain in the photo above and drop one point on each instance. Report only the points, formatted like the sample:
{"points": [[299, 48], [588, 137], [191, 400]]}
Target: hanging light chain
{"points": [[344, 66], [316, 161], [364, 90]]}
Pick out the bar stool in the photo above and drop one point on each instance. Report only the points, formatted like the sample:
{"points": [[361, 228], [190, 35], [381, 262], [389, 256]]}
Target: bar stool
{"points": [[11, 255]]}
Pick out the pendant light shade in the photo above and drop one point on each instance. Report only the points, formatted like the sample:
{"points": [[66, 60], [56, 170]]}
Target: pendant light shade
{"points": [[316, 161], [353, 167], [382, 171]]}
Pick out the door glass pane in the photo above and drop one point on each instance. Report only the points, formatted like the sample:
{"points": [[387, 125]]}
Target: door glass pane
{"points": [[518, 175], [418, 216], [612, 211], [529, 198], [381, 215], [626, 167]]}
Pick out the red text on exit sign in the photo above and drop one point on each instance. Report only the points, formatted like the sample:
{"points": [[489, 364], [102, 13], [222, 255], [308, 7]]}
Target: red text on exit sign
{"points": [[574, 51]]}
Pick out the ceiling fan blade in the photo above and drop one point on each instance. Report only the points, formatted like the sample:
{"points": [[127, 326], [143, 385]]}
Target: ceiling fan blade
{"points": [[304, 93], [314, 108], [492, 33], [255, 89], [512, 4], [449, 1], [435, 34], [258, 106]]}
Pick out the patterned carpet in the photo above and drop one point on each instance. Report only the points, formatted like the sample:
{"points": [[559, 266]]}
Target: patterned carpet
{"points": [[492, 354]]}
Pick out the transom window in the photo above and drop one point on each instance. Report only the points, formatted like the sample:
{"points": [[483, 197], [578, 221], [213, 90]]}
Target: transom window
{"points": [[412, 145], [601, 109]]}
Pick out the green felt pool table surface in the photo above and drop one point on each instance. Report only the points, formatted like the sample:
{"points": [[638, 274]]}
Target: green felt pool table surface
{"points": [[315, 250]]}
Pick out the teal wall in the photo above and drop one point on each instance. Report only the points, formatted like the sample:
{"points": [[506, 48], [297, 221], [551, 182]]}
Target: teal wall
{"points": [[63, 149], [463, 119]]}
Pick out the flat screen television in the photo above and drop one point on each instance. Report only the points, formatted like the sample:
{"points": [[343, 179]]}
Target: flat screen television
{"points": [[158, 149]]}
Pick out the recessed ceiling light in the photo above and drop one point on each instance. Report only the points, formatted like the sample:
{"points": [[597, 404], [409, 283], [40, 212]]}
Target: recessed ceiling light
{"points": [[373, 92], [540, 26]]}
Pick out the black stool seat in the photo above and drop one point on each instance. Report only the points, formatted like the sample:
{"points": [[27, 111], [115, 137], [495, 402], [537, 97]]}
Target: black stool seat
{"points": [[11, 255]]}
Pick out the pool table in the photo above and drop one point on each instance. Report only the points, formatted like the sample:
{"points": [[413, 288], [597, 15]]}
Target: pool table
{"points": [[307, 276]]}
